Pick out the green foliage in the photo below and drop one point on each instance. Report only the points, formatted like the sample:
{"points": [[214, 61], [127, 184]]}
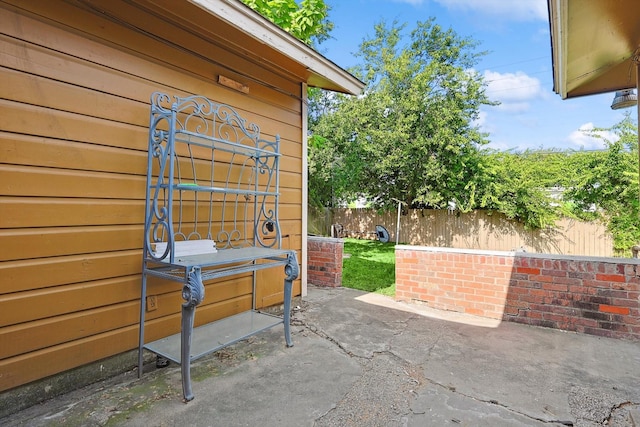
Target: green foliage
{"points": [[521, 185], [411, 137], [333, 167], [306, 21], [370, 266], [609, 181]]}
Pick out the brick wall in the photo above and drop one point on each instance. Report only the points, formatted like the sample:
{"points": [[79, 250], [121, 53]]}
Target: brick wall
{"points": [[593, 295], [324, 261]]}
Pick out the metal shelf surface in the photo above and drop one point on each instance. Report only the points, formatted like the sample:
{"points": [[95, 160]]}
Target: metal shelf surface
{"points": [[226, 256], [221, 144], [216, 335]]}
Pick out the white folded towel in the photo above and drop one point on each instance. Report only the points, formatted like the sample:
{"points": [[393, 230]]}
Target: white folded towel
{"points": [[186, 247]]}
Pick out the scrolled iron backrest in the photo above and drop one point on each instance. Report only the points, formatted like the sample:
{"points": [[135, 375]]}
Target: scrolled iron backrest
{"points": [[210, 176]]}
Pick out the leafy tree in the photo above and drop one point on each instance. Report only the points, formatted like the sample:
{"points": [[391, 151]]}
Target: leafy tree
{"points": [[411, 136], [609, 182], [520, 184], [307, 21]]}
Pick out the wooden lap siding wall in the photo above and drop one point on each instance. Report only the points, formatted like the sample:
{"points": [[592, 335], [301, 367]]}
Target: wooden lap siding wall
{"points": [[73, 140]]}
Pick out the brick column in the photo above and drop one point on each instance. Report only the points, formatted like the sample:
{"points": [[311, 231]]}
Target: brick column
{"points": [[324, 261]]}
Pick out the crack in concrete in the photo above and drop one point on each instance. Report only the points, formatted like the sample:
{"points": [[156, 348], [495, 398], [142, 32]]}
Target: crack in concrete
{"points": [[405, 324], [381, 395], [394, 398], [429, 352], [617, 407], [315, 330], [497, 403], [324, 335], [597, 407]]}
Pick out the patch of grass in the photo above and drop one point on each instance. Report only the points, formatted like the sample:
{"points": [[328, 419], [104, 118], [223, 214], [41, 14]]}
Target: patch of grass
{"points": [[370, 267]]}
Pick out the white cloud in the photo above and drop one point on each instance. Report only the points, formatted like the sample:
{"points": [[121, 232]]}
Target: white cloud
{"points": [[585, 137], [516, 10], [513, 90]]}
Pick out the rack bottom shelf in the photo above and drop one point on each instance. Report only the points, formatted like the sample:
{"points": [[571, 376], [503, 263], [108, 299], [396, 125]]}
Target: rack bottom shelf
{"points": [[211, 337]]}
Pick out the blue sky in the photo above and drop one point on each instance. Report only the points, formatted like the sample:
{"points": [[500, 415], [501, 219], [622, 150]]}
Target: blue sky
{"points": [[517, 68]]}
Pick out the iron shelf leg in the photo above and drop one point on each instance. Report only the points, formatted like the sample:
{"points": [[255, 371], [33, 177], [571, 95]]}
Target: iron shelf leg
{"points": [[193, 294], [291, 271], [143, 295]]}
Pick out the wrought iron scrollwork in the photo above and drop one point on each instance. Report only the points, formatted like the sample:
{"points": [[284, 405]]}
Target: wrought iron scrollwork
{"points": [[210, 174], [193, 290], [193, 294], [159, 224], [291, 270]]}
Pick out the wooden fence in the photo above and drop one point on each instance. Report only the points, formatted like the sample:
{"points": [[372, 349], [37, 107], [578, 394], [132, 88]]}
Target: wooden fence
{"points": [[475, 230]]}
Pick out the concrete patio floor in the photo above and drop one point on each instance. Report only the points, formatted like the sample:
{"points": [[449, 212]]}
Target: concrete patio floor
{"points": [[365, 360]]}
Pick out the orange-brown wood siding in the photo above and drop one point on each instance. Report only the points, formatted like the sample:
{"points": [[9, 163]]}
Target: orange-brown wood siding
{"points": [[76, 81]]}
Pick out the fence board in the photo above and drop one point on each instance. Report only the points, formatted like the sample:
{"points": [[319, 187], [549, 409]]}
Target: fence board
{"points": [[474, 230]]}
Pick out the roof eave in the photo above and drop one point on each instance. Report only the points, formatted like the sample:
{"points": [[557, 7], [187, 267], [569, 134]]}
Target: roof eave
{"points": [[322, 72], [593, 45], [558, 44]]}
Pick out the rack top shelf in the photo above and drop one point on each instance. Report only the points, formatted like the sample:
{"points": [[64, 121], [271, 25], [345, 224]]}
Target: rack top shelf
{"points": [[222, 190], [227, 256], [225, 145]]}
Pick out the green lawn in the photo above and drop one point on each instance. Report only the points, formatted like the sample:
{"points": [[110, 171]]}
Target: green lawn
{"points": [[370, 267]]}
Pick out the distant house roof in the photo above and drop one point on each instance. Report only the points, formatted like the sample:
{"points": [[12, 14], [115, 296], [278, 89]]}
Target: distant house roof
{"points": [[593, 43], [275, 45]]}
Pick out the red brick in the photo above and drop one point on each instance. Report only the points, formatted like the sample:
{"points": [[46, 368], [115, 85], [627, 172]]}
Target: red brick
{"points": [[473, 298], [464, 277], [628, 320], [519, 303], [633, 295], [498, 302], [475, 311], [436, 292], [553, 273], [614, 293], [517, 290], [534, 314], [511, 311], [576, 289], [538, 292], [541, 278], [613, 309], [610, 278], [527, 270], [486, 280], [486, 292], [528, 299], [407, 295], [568, 281], [592, 323], [498, 287], [555, 287], [555, 317]]}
